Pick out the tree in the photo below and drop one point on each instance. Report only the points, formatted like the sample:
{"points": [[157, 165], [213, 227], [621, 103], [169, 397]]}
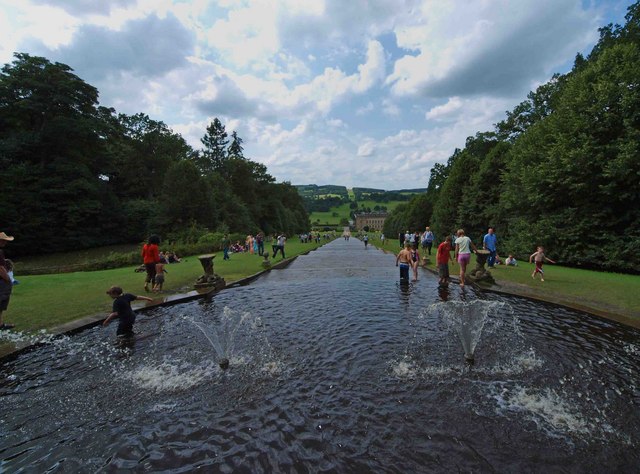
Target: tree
{"points": [[214, 154], [235, 149], [52, 153]]}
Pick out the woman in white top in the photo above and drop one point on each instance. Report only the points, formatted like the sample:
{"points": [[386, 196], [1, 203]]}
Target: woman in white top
{"points": [[463, 252]]}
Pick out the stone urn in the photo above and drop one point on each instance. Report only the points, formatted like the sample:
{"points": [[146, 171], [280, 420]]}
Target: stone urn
{"points": [[266, 263], [480, 273], [209, 280]]}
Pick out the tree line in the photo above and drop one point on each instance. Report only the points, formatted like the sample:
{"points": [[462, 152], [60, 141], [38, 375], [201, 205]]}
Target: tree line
{"points": [[79, 175], [562, 169]]}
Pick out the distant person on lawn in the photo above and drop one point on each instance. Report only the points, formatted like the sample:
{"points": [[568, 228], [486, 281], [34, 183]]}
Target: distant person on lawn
{"points": [[539, 257], [490, 243], [151, 256], [122, 309], [6, 282], [160, 271]]}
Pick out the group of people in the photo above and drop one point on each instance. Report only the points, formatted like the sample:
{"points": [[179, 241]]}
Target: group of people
{"points": [[462, 247], [253, 245], [414, 239]]}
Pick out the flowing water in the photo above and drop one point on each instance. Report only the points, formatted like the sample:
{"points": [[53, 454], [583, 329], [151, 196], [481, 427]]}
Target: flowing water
{"points": [[334, 367]]}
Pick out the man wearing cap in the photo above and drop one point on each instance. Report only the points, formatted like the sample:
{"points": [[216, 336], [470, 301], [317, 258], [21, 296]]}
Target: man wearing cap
{"points": [[5, 281]]}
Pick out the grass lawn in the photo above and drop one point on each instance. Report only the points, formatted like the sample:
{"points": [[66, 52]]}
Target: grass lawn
{"points": [[602, 291], [45, 301]]}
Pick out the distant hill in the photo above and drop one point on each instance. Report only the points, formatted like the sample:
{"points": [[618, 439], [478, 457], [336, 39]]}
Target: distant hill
{"points": [[313, 191]]}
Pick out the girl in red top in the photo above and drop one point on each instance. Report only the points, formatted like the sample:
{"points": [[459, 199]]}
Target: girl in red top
{"points": [[151, 256]]}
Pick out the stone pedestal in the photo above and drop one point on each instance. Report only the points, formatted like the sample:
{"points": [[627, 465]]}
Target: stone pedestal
{"points": [[266, 263], [480, 274], [209, 279]]}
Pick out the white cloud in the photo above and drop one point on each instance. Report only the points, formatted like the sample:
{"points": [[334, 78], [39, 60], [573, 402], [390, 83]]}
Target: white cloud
{"points": [[497, 47], [323, 91], [445, 111]]}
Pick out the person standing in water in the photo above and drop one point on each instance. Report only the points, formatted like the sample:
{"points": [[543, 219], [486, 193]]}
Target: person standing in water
{"points": [[404, 261], [122, 309], [464, 246], [443, 256]]}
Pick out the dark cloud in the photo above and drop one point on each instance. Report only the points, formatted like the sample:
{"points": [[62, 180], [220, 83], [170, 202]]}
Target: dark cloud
{"points": [[148, 47], [86, 7], [231, 101], [507, 67]]}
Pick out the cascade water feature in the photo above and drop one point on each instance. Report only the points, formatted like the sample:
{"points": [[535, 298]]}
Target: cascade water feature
{"points": [[332, 368]]}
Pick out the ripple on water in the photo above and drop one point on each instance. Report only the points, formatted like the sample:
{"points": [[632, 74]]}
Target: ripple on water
{"points": [[334, 367]]}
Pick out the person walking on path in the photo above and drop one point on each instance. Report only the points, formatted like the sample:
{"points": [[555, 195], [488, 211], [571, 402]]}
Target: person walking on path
{"points": [[382, 239], [427, 239], [6, 282], [539, 257], [464, 246], [150, 256], [490, 243], [365, 239], [401, 239], [443, 256], [122, 309]]}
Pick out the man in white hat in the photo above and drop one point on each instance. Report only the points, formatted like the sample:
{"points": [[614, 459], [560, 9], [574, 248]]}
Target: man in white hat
{"points": [[5, 281]]}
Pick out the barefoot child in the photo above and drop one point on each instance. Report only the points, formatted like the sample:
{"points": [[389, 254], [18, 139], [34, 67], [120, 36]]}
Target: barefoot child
{"points": [[404, 261], [539, 258], [122, 309], [443, 255], [160, 271]]}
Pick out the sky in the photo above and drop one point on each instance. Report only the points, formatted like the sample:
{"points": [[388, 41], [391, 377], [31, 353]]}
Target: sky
{"points": [[345, 92]]}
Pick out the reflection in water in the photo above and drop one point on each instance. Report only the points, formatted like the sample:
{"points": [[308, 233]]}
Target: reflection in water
{"points": [[333, 367]]}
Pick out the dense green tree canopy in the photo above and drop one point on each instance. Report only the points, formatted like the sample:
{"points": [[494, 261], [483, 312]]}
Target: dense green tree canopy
{"points": [[77, 175], [562, 170]]}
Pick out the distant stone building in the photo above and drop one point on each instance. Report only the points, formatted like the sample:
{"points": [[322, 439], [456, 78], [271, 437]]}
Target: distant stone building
{"points": [[375, 220]]}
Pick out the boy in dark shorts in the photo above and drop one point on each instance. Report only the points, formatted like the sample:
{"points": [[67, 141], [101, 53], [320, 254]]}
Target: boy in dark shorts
{"points": [[443, 255], [122, 309], [539, 257]]}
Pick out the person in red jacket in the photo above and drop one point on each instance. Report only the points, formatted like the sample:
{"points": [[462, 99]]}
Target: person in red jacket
{"points": [[151, 256]]}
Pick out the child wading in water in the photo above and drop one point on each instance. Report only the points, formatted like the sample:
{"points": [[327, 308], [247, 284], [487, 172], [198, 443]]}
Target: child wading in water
{"points": [[539, 258], [443, 255], [122, 309]]}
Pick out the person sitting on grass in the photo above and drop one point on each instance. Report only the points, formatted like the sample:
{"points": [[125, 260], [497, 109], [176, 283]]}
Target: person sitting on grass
{"points": [[122, 309], [511, 261]]}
